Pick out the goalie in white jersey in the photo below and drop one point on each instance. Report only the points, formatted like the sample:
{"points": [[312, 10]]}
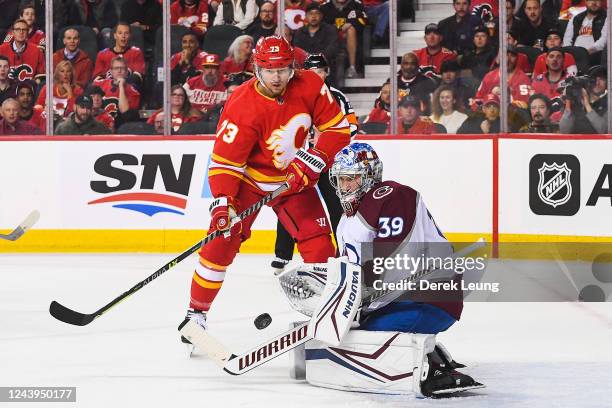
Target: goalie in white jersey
{"points": [[394, 349]]}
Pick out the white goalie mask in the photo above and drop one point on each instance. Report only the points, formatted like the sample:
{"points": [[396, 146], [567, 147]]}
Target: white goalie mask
{"points": [[358, 161]]}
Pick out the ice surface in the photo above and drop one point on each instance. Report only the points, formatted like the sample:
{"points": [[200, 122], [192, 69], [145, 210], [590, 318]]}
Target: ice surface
{"points": [[528, 355]]}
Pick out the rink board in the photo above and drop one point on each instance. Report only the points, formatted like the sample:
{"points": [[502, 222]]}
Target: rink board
{"points": [[150, 194]]}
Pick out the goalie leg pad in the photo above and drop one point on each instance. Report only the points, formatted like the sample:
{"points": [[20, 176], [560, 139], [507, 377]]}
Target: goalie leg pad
{"points": [[340, 302], [369, 361]]}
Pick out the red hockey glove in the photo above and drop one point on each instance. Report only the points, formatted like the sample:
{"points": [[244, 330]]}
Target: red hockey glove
{"points": [[305, 169], [223, 217]]}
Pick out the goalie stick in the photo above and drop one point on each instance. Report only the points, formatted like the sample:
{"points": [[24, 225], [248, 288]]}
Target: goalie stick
{"points": [[66, 315], [237, 364], [22, 227]]}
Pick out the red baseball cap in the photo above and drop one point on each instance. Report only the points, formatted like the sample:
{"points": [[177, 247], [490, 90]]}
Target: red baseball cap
{"points": [[491, 98], [211, 59]]}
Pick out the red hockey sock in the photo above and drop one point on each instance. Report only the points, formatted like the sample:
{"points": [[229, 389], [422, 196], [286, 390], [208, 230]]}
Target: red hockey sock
{"points": [[205, 284]]}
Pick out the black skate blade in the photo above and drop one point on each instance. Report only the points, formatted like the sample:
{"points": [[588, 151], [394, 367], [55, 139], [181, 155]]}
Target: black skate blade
{"points": [[451, 392]]}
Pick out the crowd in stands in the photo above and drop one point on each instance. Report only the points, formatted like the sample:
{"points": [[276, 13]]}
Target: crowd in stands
{"points": [[556, 71], [108, 54], [107, 57]]}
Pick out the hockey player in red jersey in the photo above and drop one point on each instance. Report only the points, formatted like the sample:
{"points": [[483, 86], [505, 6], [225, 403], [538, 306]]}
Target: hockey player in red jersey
{"points": [[259, 146]]}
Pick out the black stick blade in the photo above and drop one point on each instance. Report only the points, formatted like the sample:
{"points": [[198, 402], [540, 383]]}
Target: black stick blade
{"points": [[69, 316]]}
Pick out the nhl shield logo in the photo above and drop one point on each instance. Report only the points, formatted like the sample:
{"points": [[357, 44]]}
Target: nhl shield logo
{"points": [[554, 185]]}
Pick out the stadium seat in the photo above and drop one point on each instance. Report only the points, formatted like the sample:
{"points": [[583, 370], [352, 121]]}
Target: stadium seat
{"points": [[582, 58], [373, 128], [219, 38], [531, 53], [201, 127], [136, 128], [89, 41]]}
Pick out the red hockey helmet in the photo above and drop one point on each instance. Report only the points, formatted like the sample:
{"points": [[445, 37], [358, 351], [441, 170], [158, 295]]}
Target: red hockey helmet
{"points": [[273, 52]]}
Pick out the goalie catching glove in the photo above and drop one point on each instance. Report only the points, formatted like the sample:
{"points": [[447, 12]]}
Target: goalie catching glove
{"points": [[305, 169], [223, 216]]}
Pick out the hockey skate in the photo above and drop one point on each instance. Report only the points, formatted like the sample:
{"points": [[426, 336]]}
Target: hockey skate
{"points": [[443, 380], [278, 265], [200, 318]]}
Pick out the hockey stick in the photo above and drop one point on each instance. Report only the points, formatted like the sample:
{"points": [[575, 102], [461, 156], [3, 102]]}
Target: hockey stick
{"points": [[23, 227], [70, 316], [239, 364]]}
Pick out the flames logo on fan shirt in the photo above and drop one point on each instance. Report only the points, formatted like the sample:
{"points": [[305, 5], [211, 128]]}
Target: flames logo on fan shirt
{"points": [[282, 141], [21, 72]]}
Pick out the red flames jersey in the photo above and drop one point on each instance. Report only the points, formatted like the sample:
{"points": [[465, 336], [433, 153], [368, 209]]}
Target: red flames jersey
{"points": [[36, 38], [178, 119], [61, 105], [111, 96], [194, 19], [257, 136], [133, 56], [29, 64], [429, 64], [204, 97], [519, 84]]}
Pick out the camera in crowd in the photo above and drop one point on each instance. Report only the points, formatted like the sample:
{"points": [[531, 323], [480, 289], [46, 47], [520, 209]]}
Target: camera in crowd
{"points": [[572, 87]]}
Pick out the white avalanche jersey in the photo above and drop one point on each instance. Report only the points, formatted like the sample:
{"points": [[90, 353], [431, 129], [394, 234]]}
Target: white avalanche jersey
{"points": [[393, 216]]}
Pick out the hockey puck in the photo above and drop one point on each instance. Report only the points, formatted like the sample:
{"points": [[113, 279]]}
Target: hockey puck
{"points": [[262, 321]]}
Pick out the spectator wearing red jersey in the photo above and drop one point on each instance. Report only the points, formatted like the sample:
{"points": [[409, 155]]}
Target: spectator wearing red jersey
{"points": [[433, 54], [27, 13], [206, 91], [317, 36], [97, 97], [82, 64], [25, 60], [553, 39], [24, 94], [65, 91], [519, 84], [410, 120], [144, 14], [548, 82], [239, 56], [239, 13], [192, 14], [182, 112], [186, 64], [12, 124], [295, 16], [380, 113], [265, 25], [133, 56], [120, 98]]}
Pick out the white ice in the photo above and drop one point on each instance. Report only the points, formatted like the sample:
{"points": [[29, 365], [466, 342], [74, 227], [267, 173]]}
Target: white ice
{"points": [[528, 355]]}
